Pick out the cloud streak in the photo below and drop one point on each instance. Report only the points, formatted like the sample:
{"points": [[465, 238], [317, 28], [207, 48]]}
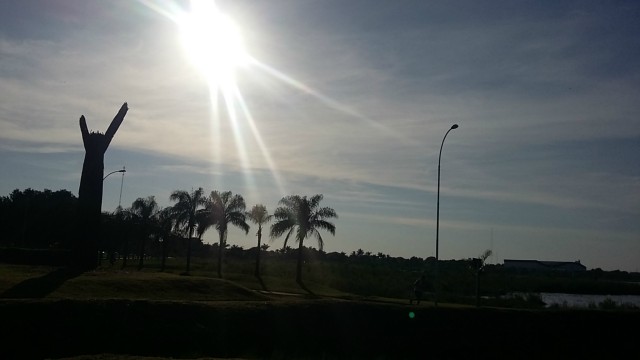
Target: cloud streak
{"points": [[358, 106]]}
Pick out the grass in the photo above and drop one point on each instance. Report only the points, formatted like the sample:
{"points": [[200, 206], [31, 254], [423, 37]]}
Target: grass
{"points": [[277, 276], [306, 329], [115, 314], [155, 286], [112, 283], [116, 284]]}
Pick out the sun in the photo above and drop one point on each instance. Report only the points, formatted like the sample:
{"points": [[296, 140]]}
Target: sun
{"points": [[212, 42]]}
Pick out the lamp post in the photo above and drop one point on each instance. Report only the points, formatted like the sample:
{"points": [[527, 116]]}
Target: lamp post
{"points": [[113, 172], [123, 170], [437, 285]]}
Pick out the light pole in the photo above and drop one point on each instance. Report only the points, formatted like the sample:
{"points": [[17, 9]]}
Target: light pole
{"points": [[123, 170], [437, 285], [121, 183]]}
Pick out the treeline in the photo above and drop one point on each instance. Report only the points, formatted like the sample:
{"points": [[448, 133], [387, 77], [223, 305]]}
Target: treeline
{"points": [[146, 236], [37, 219]]}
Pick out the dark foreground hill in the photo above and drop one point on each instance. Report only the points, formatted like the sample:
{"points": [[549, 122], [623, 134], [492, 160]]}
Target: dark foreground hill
{"points": [[308, 329]]}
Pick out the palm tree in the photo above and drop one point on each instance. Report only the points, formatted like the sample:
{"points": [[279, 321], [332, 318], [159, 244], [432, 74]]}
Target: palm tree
{"points": [[126, 220], [204, 219], [185, 210], [165, 222], [307, 217], [224, 209], [142, 211], [478, 265], [259, 215]]}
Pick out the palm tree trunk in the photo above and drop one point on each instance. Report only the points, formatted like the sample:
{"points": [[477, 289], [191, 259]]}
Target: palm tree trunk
{"points": [[257, 273], [478, 288], [141, 260], [164, 253], [220, 250], [299, 266], [125, 251], [189, 251]]}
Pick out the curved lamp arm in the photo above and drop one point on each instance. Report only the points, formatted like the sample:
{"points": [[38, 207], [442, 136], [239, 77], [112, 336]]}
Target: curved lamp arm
{"points": [[113, 172]]}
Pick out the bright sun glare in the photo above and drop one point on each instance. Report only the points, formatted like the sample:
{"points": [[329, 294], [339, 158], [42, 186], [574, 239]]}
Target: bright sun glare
{"points": [[213, 43]]}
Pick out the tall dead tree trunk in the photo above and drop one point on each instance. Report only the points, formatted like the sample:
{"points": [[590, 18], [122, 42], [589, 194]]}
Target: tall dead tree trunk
{"points": [[90, 193]]}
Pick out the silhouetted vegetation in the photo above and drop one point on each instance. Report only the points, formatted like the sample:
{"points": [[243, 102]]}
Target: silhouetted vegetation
{"points": [[38, 219], [38, 226], [185, 210], [364, 311], [260, 216], [224, 209], [306, 218]]}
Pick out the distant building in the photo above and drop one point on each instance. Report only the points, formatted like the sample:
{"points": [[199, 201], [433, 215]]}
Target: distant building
{"points": [[544, 265]]}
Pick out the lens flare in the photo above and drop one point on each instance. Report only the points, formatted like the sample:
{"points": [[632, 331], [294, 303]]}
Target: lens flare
{"points": [[214, 45]]}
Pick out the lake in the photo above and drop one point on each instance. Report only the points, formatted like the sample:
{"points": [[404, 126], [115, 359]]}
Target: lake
{"points": [[583, 300]]}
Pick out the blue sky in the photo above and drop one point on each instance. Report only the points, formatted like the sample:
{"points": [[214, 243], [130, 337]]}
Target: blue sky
{"points": [[545, 93]]}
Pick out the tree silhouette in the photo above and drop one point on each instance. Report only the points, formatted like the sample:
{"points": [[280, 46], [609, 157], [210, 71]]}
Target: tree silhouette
{"points": [[90, 192], [185, 211], [117, 229], [307, 218], [259, 215], [127, 230], [224, 209], [37, 219], [204, 219], [143, 211], [478, 265], [165, 222]]}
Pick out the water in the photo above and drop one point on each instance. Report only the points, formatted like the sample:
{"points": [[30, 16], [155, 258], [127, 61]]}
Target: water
{"points": [[584, 301]]}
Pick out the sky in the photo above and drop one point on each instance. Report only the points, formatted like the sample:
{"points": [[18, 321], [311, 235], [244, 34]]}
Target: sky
{"points": [[352, 100]]}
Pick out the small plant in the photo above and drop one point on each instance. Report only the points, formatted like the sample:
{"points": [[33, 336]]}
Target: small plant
{"points": [[535, 300], [628, 306], [608, 304]]}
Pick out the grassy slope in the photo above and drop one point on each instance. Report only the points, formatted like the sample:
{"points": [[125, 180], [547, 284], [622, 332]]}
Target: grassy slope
{"points": [[113, 284], [156, 314], [306, 329]]}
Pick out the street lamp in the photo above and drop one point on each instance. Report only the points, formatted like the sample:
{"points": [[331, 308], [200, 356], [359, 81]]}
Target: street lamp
{"points": [[117, 171], [454, 126], [123, 170]]}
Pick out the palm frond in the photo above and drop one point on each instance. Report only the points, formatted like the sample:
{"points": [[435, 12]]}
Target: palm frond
{"points": [[315, 201], [320, 241], [286, 239], [259, 214], [325, 225], [238, 219], [280, 227], [326, 213], [283, 213]]}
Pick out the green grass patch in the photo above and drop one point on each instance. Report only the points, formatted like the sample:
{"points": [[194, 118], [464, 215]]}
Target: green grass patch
{"points": [[148, 285], [44, 282]]}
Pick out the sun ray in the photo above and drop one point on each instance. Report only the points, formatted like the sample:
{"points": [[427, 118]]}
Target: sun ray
{"points": [[238, 138], [330, 102], [215, 47], [263, 147], [215, 133]]}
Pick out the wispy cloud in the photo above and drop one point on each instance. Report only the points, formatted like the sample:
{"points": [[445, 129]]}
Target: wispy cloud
{"points": [[361, 105]]}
